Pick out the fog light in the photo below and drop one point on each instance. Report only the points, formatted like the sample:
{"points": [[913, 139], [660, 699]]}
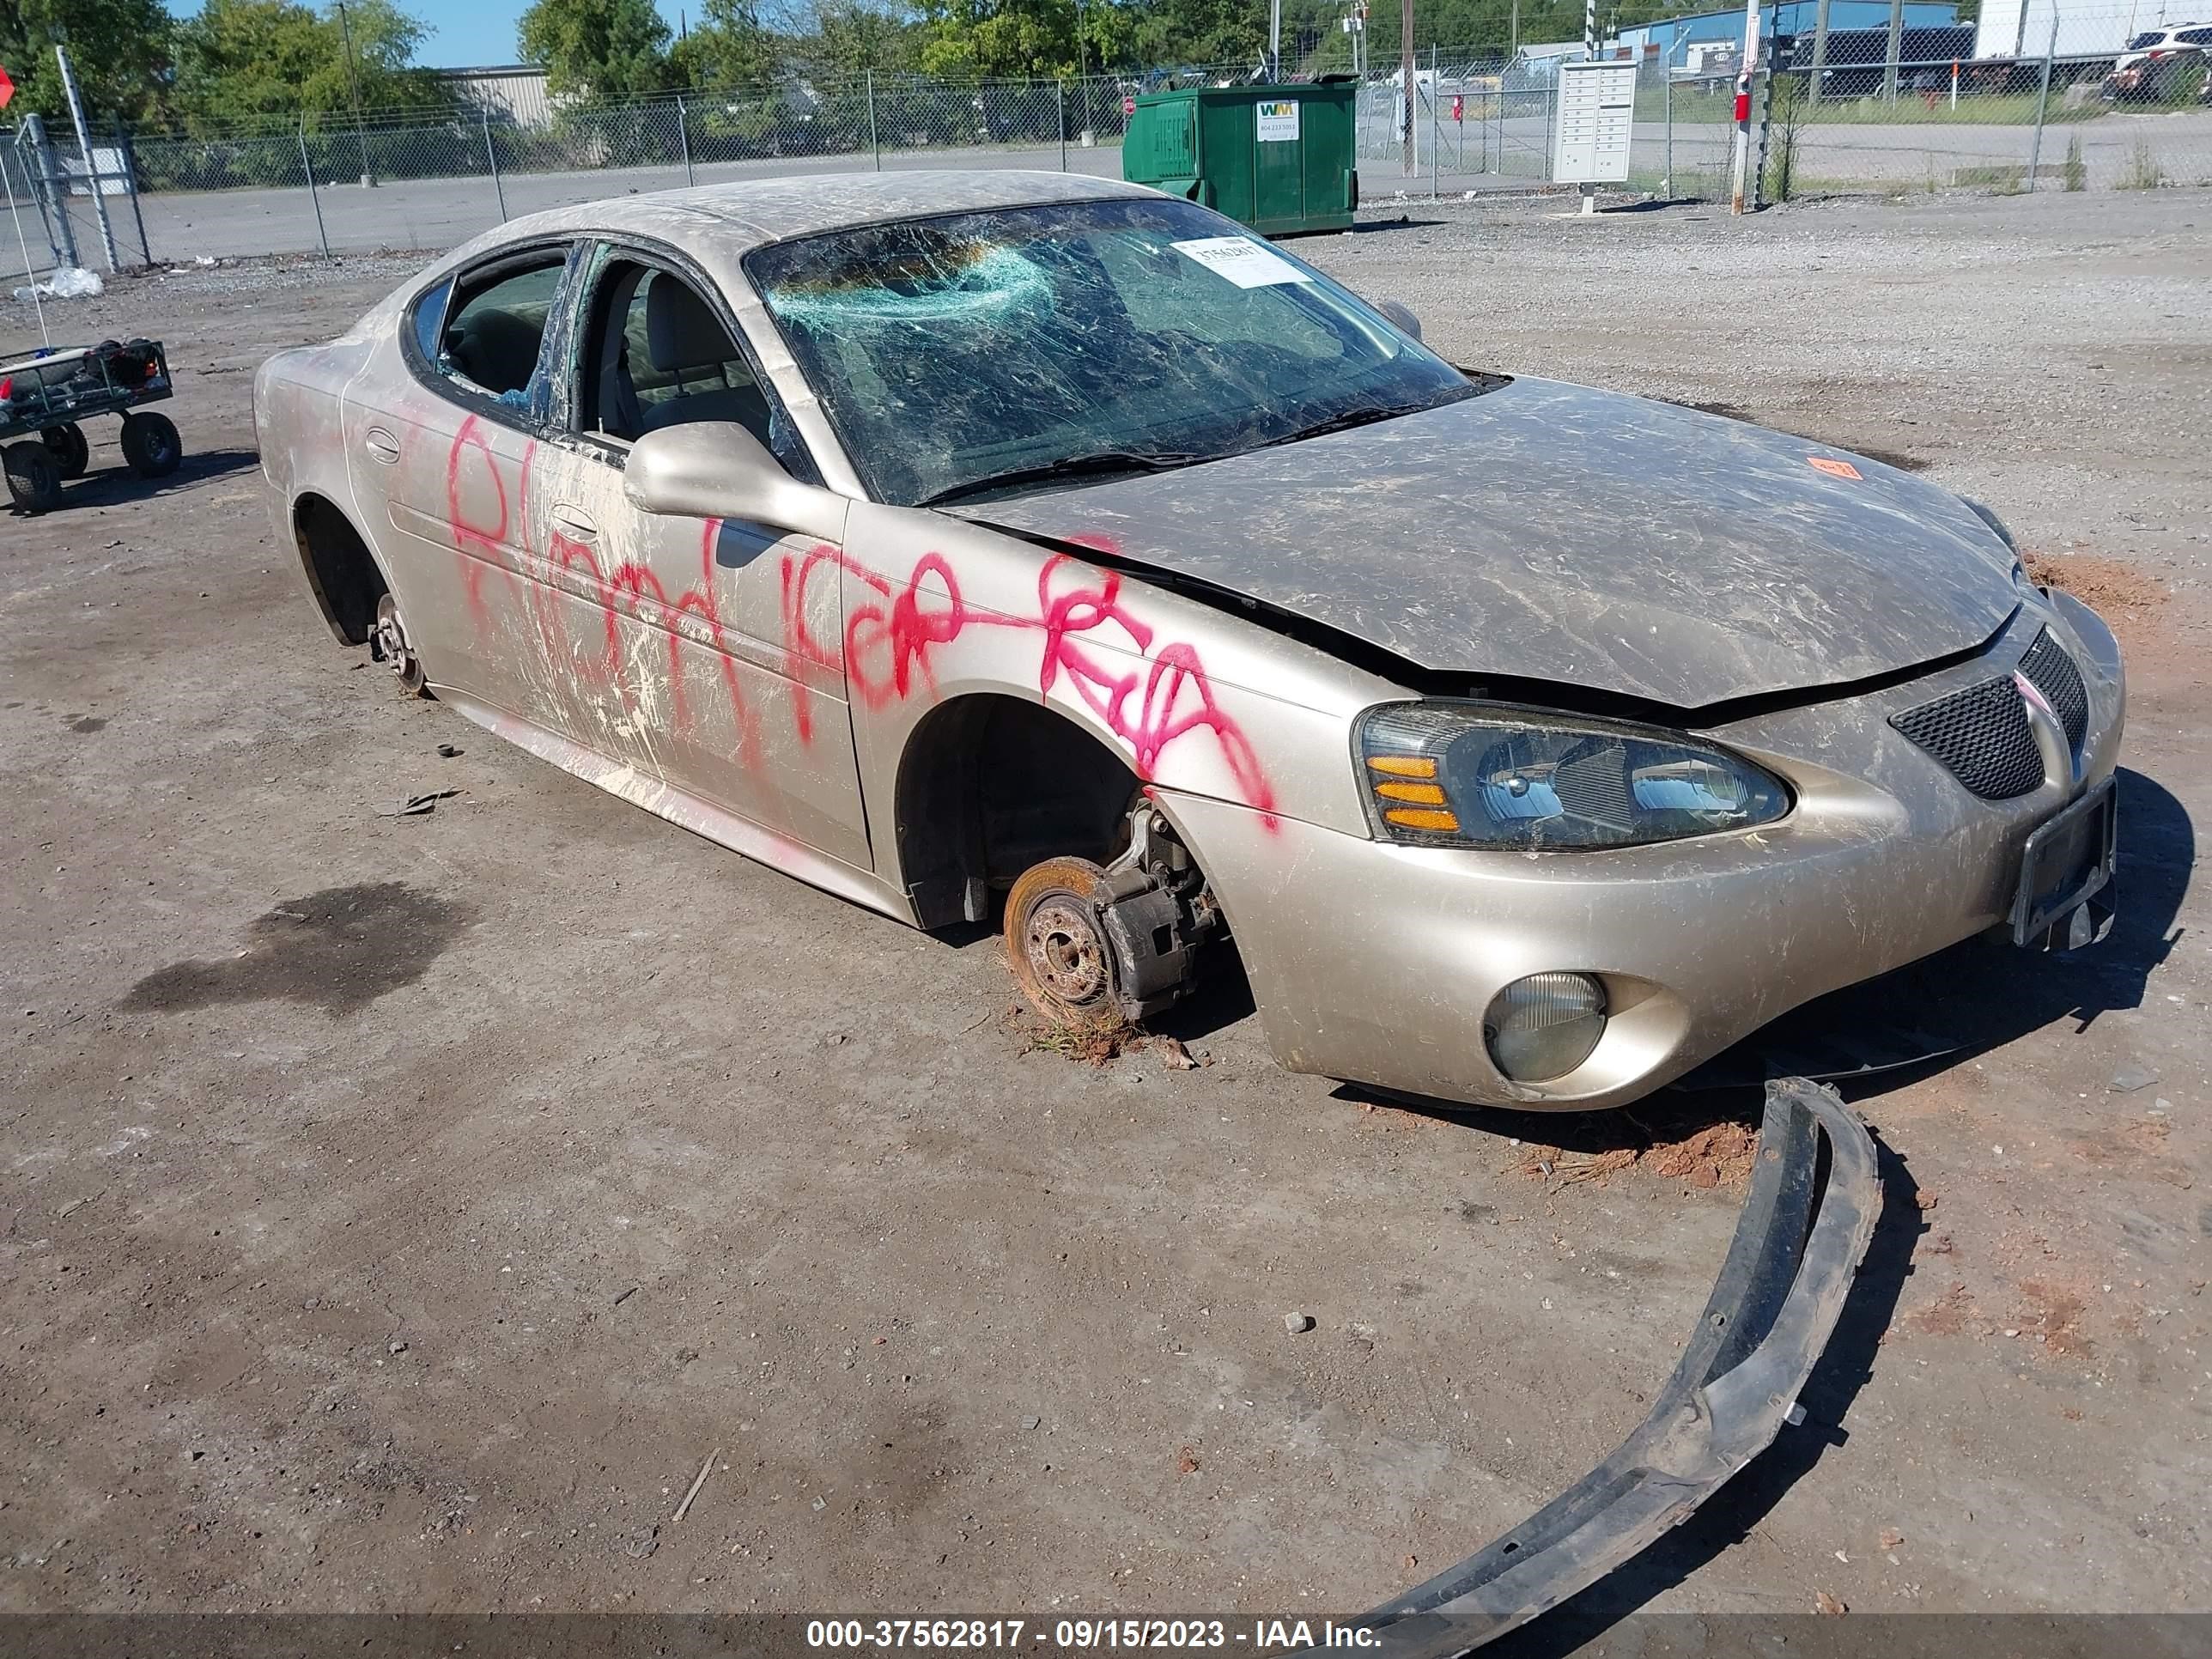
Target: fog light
{"points": [[1545, 1025]]}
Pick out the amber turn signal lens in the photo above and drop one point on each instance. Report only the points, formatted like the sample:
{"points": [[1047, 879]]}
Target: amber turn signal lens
{"points": [[1428, 794], [1404, 766], [1421, 817]]}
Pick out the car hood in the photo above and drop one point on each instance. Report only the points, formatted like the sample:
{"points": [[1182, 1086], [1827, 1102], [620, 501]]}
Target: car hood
{"points": [[1549, 532]]}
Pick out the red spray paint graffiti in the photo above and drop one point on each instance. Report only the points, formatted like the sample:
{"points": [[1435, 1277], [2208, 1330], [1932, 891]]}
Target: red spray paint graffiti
{"points": [[1178, 696], [479, 542], [887, 646], [622, 591]]}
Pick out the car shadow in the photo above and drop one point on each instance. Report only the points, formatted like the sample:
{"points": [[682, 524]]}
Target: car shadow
{"points": [[1222, 997], [110, 485]]}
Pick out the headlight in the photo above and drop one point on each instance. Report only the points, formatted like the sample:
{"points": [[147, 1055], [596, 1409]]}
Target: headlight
{"points": [[1486, 775]]}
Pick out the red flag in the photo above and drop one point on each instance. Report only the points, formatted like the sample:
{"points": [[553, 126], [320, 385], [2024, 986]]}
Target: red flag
{"points": [[7, 89]]}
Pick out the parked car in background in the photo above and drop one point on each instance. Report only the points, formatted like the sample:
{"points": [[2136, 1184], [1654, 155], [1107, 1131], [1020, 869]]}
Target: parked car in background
{"points": [[1856, 61], [2162, 66]]}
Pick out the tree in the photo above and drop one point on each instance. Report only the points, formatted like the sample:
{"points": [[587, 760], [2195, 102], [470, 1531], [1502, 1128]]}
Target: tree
{"points": [[1204, 32], [730, 47], [968, 39], [598, 50], [119, 49], [844, 38], [244, 60]]}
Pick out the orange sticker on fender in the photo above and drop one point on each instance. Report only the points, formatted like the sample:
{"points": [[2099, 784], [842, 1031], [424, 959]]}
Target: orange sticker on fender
{"points": [[1833, 469]]}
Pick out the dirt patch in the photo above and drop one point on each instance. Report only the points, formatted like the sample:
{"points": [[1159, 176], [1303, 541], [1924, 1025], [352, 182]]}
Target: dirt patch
{"points": [[341, 949], [1718, 1155], [1038, 1035], [2052, 1320], [2105, 585], [1947, 1315]]}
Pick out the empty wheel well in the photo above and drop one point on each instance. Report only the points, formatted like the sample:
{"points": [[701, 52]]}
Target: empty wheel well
{"points": [[989, 785], [340, 570]]}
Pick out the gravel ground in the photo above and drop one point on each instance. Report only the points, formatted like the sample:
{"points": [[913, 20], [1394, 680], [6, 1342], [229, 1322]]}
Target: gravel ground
{"points": [[400, 1210]]}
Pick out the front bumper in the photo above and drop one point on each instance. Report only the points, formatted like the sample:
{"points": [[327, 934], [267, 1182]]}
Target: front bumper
{"points": [[1374, 963], [1780, 1293]]}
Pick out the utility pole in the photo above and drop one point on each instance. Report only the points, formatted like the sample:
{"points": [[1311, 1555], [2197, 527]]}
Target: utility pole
{"points": [[1275, 39], [1820, 51], [1589, 55], [1082, 74], [1766, 112], [1412, 165], [91, 169], [1514, 48], [1741, 158], [1896, 39], [353, 84]]}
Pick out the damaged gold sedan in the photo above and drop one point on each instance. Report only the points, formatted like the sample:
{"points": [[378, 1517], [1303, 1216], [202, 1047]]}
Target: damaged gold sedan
{"points": [[1043, 549], [1022, 546]]}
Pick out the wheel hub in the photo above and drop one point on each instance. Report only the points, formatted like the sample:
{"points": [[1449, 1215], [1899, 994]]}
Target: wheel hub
{"points": [[1065, 951], [388, 642], [391, 638]]}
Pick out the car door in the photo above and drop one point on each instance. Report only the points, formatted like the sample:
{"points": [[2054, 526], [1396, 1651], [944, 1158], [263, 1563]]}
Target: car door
{"points": [[452, 458], [685, 644]]}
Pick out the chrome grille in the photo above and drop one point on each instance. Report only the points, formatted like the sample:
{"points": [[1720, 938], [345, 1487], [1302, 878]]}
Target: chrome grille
{"points": [[1981, 735], [2052, 671]]}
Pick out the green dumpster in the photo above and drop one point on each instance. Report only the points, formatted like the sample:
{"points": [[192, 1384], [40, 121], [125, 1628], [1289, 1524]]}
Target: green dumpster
{"points": [[1279, 158]]}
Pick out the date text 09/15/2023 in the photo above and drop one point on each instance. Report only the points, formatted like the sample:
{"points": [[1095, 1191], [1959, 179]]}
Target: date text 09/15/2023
{"points": [[1087, 1635]]}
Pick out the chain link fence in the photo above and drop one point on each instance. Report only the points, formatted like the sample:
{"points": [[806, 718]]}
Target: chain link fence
{"points": [[2111, 102], [2106, 105]]}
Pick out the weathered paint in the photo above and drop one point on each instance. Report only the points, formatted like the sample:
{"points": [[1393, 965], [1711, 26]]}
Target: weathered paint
{"points": [[1550, 532]]}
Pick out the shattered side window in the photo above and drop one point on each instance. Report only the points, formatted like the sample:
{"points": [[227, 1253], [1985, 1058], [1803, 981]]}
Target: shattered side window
{"points": [[430, 320], [494, 339], [959, 351]]}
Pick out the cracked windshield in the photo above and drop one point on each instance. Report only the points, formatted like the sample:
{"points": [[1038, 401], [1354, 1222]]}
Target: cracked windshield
{"points": [[1043, 348]]}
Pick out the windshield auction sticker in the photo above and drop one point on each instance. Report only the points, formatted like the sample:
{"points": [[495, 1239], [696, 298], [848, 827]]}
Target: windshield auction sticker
{"points": [[1246, 263]]}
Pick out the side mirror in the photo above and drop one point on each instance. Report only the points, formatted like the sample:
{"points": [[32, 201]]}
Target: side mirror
{"points": [[1401, 315], [719, 469]]}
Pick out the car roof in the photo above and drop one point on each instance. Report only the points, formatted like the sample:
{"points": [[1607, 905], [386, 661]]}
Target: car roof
{"points": [[748, 213]]}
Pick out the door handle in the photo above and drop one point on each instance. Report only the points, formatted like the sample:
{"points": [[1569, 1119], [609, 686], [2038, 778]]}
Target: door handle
{"points": [[381, 445], [573, 523]]}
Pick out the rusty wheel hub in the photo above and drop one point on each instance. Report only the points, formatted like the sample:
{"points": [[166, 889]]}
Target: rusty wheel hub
{"points": [[1058, 946], [1066, 953], [390, 645]]}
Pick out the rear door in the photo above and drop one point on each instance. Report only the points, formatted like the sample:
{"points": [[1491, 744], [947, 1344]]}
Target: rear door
{"points": [[453, 457]]}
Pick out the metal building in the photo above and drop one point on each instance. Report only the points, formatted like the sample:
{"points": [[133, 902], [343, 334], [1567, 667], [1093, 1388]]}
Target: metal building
{"points": [[1674, 37], [2022, 28]]}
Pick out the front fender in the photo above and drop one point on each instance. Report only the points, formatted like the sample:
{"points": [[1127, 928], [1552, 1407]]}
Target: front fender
{"points": [[1201, 703]]}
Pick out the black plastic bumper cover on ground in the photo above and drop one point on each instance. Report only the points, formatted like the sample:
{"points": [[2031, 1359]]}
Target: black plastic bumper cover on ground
{"points": [[1789, 1269]]}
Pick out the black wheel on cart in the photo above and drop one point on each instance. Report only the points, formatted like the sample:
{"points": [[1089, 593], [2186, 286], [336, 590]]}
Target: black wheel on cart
{"points": [[66, 443], [33, 480], [150, 443]]}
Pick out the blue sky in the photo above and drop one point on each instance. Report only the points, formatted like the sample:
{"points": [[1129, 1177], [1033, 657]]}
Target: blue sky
{"points": [[464, 32]]}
